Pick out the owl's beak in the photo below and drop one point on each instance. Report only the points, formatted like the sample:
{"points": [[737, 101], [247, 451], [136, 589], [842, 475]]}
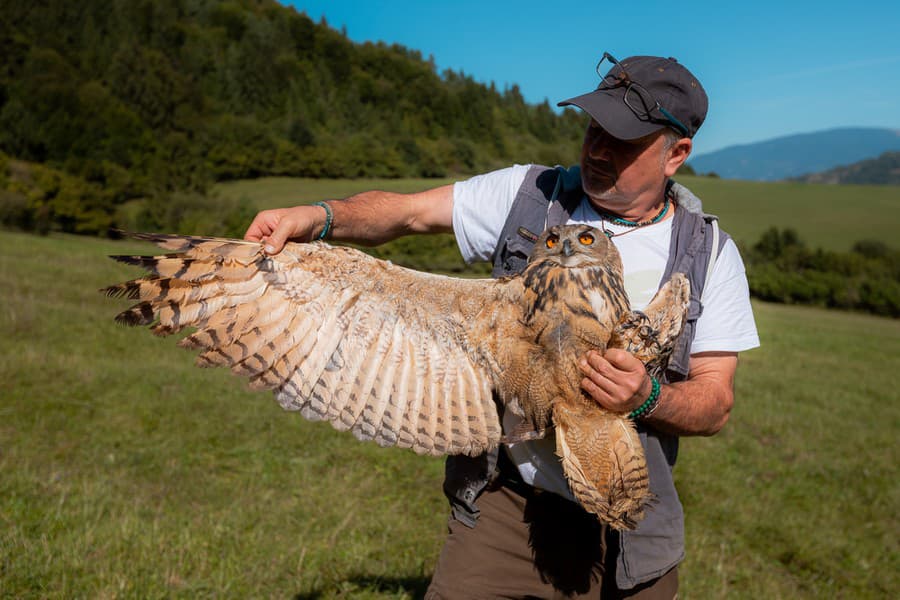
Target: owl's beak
{"points": [[567, 248]]}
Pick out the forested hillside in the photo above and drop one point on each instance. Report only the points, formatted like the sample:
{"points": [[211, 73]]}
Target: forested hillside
{"points": [[129, 99]]}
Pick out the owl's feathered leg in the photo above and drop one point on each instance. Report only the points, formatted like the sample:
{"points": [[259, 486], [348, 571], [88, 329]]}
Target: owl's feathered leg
{"points": [[603, 460], [650, 335]]}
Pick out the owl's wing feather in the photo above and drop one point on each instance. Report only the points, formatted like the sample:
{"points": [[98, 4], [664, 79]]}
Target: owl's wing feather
{"points": [[651, 335], [387, 353]]}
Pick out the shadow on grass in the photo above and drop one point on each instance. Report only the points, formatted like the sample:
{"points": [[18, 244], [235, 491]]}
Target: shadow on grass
{"points": [[414, 586]]}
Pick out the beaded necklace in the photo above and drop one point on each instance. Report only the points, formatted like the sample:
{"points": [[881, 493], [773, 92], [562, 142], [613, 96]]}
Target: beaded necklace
{"points": [[633, 225]]}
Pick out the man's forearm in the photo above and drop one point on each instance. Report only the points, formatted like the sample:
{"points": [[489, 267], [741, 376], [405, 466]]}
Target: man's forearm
{"points": [[701, 404], [368, 218], [375, 217], [692, 408]]}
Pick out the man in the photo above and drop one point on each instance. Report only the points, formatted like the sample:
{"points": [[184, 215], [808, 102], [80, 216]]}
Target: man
{"points": [[515, 530]]}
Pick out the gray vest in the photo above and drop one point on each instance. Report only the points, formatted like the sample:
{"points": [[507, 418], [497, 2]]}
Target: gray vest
{"points": [[546, 198]]}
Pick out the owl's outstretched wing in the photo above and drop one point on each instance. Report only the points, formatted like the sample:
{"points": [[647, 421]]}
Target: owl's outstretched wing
{"points": [[386, 352]]}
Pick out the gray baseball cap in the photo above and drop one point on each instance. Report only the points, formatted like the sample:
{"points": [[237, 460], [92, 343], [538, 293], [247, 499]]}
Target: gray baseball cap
{"points": [[643, 94]]}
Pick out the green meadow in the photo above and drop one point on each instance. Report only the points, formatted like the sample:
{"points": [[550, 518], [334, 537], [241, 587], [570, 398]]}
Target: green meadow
{"points": [[125, 472], [276, 192], [832, 217]]}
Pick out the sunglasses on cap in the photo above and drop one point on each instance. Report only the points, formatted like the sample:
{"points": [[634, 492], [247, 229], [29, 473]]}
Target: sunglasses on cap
{"points": [[637, 98]]}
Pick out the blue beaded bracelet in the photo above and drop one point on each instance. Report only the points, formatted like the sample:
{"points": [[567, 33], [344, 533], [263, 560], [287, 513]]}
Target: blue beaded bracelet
{"points": [[329, 219], [650, 403]]}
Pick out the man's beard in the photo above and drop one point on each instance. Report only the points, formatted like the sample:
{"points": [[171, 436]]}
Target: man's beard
{"points": [[599, 183]]}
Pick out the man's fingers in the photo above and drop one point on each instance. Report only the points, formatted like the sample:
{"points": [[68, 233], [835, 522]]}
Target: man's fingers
{"points": [[622, 360], [255, 232], [274, 243], [273, 228], [615, 379], [599, 363], [593, 390], [593, 370], [263, 224]]}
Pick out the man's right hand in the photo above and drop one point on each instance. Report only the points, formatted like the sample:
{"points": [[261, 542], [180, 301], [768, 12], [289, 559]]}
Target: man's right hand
{"points": [[276, 226]]}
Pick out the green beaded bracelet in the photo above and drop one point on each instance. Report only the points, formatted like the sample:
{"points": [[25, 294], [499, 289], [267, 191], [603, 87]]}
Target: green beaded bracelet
{"points": [[650, 403], [329, 219]]}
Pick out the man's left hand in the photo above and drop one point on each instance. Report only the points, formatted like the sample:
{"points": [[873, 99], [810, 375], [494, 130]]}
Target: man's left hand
{"points": [[616, 380]]}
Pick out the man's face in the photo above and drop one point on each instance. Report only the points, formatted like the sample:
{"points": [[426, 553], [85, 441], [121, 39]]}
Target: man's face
{"points": [[619, 172]]}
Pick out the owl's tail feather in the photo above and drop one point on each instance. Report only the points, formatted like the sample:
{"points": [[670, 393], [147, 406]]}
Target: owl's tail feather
{"points": [[603, 460]]}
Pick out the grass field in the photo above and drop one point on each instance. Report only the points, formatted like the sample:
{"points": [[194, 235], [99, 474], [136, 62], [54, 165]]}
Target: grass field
{"points": [[832, 217], [275, 192], [126, 472]]}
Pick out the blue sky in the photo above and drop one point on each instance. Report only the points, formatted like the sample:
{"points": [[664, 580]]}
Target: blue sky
{"points": [[770, 68]]}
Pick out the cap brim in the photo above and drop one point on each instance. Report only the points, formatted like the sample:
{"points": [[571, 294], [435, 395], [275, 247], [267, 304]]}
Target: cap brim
{"points": [[608, 108]]}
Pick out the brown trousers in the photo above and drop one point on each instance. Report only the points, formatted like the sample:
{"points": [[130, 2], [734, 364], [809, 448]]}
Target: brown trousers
{"points": [[536, 545]]}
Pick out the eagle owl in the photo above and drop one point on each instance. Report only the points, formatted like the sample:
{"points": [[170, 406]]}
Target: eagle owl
{"points": [[424, 361]]}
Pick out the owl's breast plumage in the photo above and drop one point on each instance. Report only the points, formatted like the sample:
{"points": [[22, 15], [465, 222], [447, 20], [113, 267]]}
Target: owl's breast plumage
{"points": [[572, 308], [567, 311]]}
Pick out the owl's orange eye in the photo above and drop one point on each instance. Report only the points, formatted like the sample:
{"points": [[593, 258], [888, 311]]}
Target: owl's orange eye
{"points": [[586, 239], [551, 241]]}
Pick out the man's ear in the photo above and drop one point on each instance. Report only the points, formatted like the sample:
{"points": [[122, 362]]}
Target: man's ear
{"points": [[677, 154]]}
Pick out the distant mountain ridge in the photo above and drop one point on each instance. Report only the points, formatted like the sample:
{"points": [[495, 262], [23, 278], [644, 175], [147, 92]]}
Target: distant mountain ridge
{"points": [[884, 170], [797, 155]]}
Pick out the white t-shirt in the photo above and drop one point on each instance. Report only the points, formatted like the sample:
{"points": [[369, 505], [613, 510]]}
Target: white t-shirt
{"points": [[480, 208]]}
